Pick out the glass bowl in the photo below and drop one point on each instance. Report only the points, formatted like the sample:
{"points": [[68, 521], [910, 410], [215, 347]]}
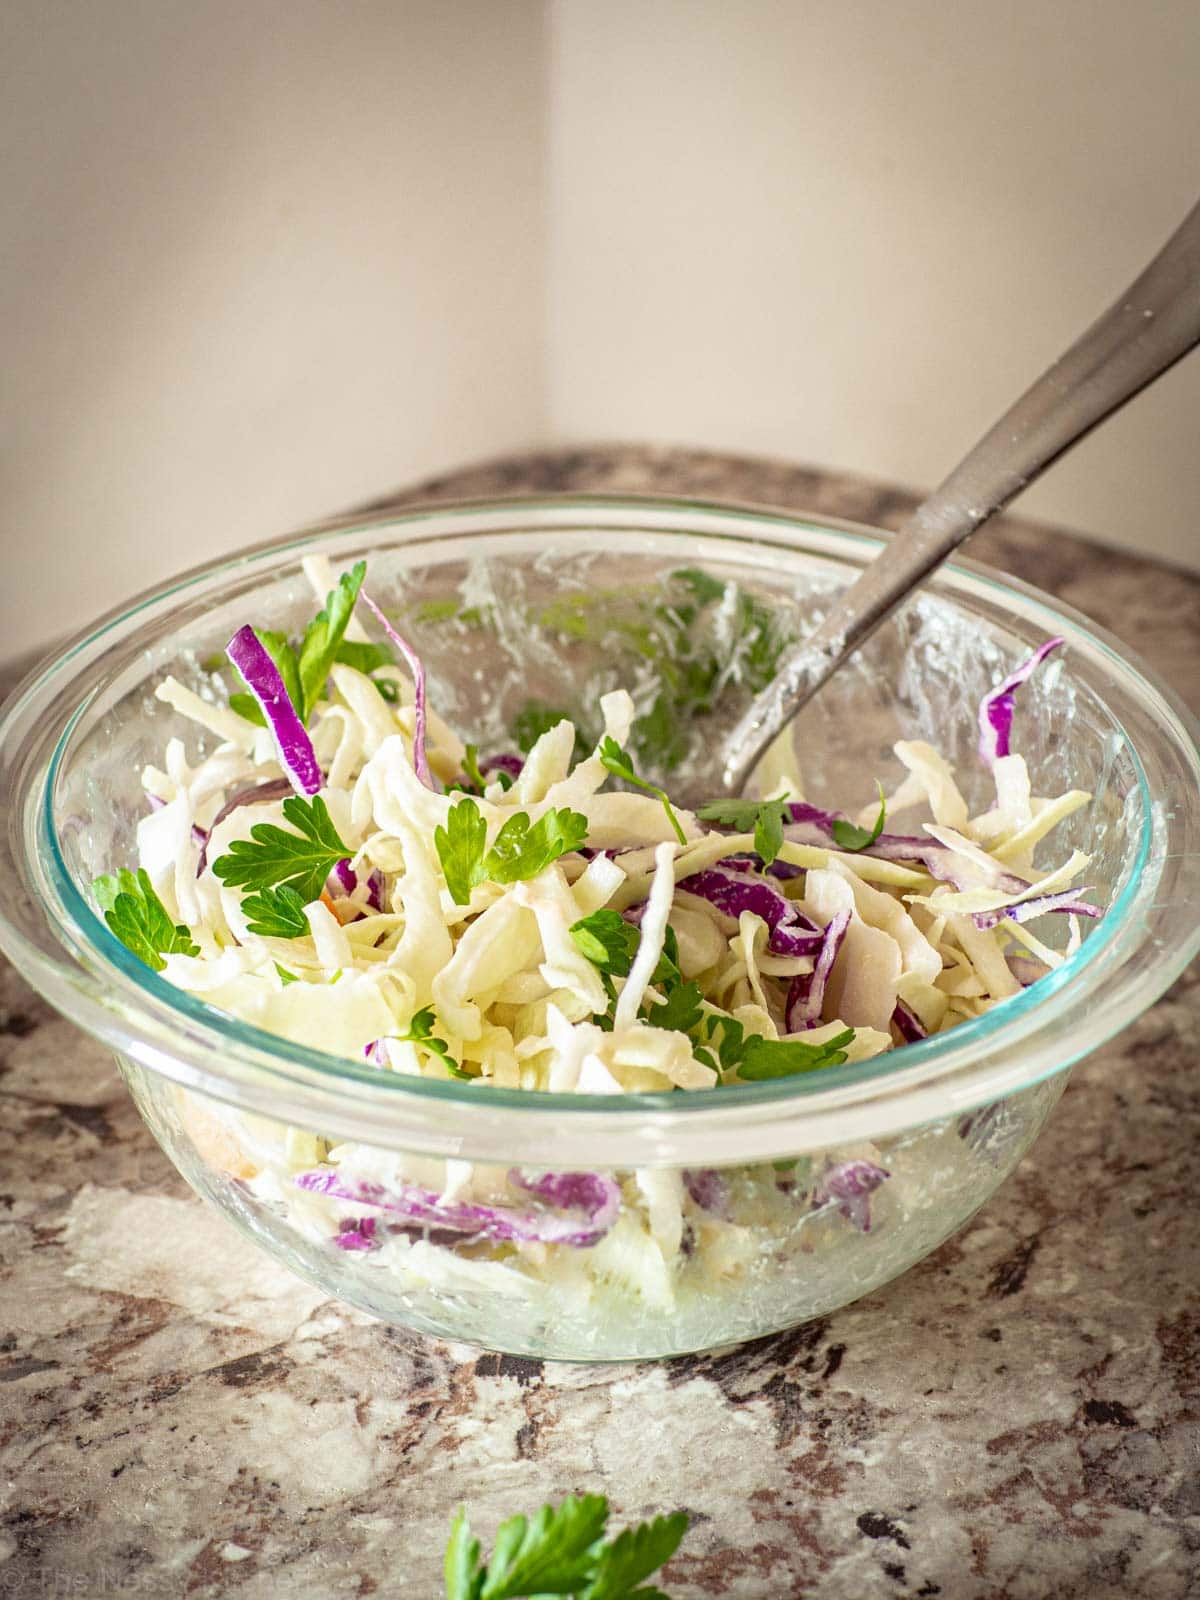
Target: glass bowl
{"points": [[547, 599]]}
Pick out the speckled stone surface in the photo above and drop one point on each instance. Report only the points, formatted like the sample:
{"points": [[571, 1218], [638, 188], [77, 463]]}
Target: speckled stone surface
{"points": [[1017, 1418]]}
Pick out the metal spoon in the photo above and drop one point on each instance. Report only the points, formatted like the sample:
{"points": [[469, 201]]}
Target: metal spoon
{"points": [[1150, 327]]}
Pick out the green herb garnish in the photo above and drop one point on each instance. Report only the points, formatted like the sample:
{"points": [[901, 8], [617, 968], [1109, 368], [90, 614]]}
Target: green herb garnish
{"points": [[420, 1031], [276, 913], [616, 761], [521, 849], [306, 671], [764, 818], [561, 1551], [849, 836], [273, 857], [139, 919], [783, 1058]]}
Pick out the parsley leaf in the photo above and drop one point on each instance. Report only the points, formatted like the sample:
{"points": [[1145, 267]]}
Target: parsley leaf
{"points": [[420, 1031], [729, 1044], [460, 1564], [521, 848], [765, 817], [273, 857], [139, 919], [554, 1552], [276, 913], [615, 760], [460, 847], [323, 637], [561, 1551], [471, 768], [783, 1058], [634, 1555], [607, 940], [304, 672], [364, 655], [849, 836], [680, 1011]]}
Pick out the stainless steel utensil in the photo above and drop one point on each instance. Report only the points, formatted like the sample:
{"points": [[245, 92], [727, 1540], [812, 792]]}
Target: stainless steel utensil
{"points": [[1145, 331]]}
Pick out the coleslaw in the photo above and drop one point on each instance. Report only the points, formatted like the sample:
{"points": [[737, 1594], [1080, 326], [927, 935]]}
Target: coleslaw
{"points": [[339, 867]]}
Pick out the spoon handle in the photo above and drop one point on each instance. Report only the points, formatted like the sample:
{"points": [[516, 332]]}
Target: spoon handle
{"points": [[1145, 331]]}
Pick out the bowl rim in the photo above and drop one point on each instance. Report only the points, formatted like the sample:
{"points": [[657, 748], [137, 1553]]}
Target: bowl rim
{"points": [[150, 1010]]}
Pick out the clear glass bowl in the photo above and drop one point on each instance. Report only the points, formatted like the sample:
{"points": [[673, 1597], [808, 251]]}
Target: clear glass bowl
{"points": [[511, 599]]}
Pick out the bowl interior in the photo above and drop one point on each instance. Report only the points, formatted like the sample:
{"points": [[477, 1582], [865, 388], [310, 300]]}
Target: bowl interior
{"points": [[520, 628], [519, 610]]}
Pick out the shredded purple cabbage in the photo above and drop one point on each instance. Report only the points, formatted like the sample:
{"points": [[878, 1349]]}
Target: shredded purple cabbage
{"points": [[1025, 969], [590, 1202], [1040, 904], [416, 667], [909, 1024], [296, 755], [732, 892], [708, 1189], [356, 1233], [812, 826], [346, 880], [806, 994], [851, 1184], [512, 765], [996, 708], [275, 789]]}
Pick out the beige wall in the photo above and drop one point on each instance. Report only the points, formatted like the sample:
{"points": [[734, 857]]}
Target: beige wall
{"points": [[851, 231], [260, 258]]}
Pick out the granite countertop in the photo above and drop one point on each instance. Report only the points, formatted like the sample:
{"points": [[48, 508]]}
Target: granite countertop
{"points": [[1017, 1417]]}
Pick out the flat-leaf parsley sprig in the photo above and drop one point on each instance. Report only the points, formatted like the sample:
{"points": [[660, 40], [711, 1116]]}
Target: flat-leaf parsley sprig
{"points": [[764, 817], [275, 858], [561, 1551], [420, 1031], [617, 761], [520, 850], [849, 836], [305, 671], [139, 919]]}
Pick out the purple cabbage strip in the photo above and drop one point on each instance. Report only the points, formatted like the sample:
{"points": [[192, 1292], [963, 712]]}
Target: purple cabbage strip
{"points": [[1038, 906], [297, 757], [708, 1189], [1025, 969], [346, 880], [806, 995], [851, 1184], [812, 826], [783, 870], [590, 1200], [415, 666], [910, 1025], [513, 765], [345, 876], [356, 1233], [996, 708], [274, 789], [732, 892]]}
